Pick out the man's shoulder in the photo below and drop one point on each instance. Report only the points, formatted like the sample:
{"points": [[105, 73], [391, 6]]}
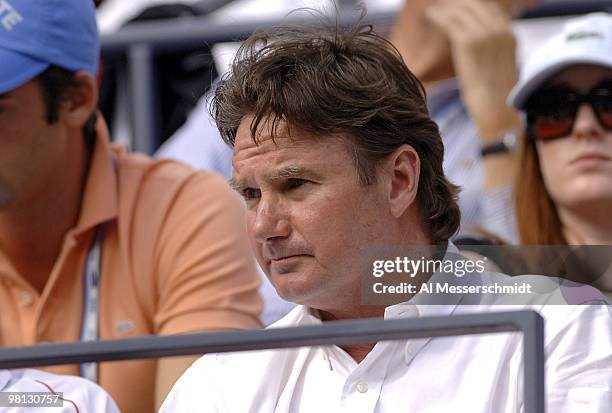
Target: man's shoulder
{"points": [[559, 301], [146, 185], [169, 212]]}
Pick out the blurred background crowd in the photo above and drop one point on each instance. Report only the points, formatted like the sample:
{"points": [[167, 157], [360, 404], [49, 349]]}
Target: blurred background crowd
{"points": [[524, 111]]}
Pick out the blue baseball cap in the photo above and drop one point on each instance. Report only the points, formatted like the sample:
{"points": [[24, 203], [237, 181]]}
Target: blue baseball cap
{"points": [[35, 34]]}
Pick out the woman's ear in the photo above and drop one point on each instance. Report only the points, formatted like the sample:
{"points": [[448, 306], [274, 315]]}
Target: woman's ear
{"points": [[404, 168], [81, 100]]}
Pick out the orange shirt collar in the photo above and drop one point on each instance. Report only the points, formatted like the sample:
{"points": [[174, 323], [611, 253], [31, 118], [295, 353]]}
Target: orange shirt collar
{"points": [[100, 200]]}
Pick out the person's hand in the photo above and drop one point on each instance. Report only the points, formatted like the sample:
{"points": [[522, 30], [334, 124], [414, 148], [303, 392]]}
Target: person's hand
{"points": [[484, 57]]}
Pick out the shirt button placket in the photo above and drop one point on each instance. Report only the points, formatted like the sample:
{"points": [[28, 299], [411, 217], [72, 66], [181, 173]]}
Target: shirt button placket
{"points": [[362, 387], [25, 298]]}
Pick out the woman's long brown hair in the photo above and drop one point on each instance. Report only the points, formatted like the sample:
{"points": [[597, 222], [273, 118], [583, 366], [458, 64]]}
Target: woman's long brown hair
{"points": [[536, 213]]}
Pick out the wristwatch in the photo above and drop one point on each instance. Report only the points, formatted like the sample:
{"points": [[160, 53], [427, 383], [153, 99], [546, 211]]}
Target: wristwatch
{"points": [[504, 143]]}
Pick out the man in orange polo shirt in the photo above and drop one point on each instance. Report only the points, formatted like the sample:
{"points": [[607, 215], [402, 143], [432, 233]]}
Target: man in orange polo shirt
{"points": [[96, 243]]}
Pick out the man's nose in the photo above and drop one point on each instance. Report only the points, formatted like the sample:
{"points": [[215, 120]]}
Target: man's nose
{"points": [[269, 220], [586, 124]]}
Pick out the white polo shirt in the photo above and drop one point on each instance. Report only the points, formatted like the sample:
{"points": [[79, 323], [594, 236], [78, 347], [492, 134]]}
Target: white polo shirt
{"points": [[475, 373], [79, 395]]}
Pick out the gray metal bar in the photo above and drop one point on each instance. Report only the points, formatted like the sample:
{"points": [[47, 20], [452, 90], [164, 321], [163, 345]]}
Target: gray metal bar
{"points": [[142, 97], [529, 323], [193, 32], [532, 326]]}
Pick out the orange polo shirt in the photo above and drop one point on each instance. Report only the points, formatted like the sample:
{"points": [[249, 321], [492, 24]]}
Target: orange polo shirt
{"points": [[174, 259]]}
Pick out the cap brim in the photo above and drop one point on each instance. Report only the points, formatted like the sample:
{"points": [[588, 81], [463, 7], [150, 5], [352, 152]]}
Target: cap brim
{"points": [[521, 92], [16, 69]]}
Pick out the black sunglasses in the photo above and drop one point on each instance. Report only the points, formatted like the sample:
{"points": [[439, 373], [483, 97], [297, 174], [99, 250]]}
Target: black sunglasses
{"points": [[551, 112]]}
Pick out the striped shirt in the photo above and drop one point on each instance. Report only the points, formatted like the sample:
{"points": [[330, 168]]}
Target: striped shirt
{"points": [[492, 211]]}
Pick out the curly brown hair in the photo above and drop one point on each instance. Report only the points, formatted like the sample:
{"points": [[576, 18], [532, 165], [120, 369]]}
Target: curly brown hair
{"points": [[329, 81]]}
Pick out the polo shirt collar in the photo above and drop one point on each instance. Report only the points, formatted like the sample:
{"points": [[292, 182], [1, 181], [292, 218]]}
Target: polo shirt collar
{"points": [[100, 200]]}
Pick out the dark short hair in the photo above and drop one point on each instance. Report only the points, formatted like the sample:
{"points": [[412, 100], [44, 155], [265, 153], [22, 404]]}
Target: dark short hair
{"points": [[54, 83], [345, 82]]}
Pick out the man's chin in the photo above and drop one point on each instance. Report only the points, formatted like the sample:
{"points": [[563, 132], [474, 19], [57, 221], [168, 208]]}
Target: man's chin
{"points": [[294, 287]]}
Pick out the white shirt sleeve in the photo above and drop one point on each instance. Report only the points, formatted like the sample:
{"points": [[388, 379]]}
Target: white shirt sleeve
{"points": [[78, 394]]}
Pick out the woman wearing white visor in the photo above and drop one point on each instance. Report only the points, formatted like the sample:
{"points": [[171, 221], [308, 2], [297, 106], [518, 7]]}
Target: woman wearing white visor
{"points": [[564, 185]]}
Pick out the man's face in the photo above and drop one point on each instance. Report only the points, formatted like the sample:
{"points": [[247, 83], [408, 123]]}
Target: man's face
{"points": [[308, 216], [30, 149]]}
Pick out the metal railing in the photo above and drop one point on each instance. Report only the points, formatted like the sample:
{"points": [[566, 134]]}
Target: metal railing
{"points": [[529, 323]]}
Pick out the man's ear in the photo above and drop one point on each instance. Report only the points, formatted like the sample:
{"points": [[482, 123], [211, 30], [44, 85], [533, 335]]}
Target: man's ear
{"points": [[81, 100], [404, 168]]}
